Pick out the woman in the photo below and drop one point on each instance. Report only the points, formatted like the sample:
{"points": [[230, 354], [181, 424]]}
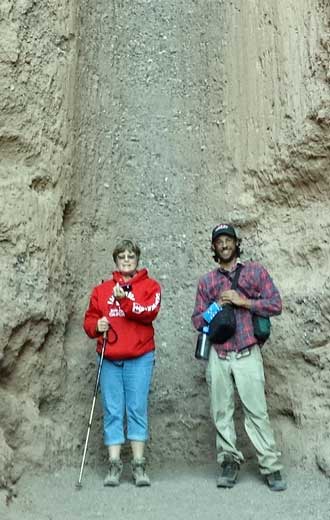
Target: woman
{"points": [[124, 307]]}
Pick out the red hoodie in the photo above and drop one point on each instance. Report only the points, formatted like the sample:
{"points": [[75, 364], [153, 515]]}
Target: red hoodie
{"points": [[131, 333]]}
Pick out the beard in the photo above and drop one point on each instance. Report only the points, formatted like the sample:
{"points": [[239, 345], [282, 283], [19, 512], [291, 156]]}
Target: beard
{"points": [[227, 258]]}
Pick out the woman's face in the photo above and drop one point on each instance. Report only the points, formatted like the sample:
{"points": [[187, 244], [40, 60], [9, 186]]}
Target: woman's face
{"points": [[126, 263]]}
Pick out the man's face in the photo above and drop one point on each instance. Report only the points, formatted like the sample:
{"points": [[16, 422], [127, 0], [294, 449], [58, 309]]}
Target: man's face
{"points": [[126, 263], [225, 248]]}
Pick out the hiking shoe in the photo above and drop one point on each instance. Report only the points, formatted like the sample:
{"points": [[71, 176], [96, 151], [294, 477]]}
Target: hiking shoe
{"points": [[139, 474], [113, 476], [229, 474], [276, 482]]}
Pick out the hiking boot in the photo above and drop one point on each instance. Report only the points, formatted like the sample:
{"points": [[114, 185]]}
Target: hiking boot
{"points": [[276, 482], [113, 476], [140, 476], [229, 474]]}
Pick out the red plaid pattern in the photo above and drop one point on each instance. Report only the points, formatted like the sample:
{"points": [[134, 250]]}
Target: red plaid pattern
{"points": [[254, 283]]}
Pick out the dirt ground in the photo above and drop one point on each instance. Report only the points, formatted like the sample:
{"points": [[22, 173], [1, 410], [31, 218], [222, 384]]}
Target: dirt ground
{"points": [[176, 492]]}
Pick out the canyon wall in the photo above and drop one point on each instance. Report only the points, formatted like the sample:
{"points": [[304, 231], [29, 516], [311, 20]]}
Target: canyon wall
{"points": [[158, 120], [277, 136], [37, 68]]}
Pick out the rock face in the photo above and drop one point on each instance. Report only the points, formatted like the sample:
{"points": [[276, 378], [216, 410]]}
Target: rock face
{"points": [[158, 120], [37, 66]]}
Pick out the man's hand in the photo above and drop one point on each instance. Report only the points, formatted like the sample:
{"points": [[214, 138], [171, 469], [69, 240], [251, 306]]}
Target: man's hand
{"points": [[234, 298], [102, 324], [118, 292]]}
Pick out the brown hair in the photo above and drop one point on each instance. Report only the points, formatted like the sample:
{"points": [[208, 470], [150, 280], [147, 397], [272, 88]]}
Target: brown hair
{"points": [[126, 245]]}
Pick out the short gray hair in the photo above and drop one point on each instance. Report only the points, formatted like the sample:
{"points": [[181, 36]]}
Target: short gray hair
{"points": [[126, 245]]}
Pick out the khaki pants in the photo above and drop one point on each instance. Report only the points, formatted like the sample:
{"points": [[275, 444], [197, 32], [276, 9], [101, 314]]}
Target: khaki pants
{"points": [[247, 374]]}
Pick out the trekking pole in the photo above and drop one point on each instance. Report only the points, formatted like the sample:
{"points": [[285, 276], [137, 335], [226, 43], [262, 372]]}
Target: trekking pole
{"points": [[79, 485]]}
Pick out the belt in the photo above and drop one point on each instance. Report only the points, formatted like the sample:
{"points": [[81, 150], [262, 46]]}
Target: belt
{"points": [[242, 353]]}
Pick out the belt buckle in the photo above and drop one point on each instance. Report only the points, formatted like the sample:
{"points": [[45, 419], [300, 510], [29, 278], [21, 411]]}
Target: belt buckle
{"points": [[243, 353]]}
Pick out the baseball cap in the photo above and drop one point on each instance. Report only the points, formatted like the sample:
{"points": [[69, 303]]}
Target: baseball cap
{"points": [[223, 229]]}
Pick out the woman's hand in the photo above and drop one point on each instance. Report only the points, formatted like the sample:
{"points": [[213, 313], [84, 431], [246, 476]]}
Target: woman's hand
{"points": [[102, 324], [118, 292]]}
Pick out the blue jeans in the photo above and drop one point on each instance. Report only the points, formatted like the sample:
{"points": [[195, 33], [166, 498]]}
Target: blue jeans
{"points": [[125, 390]]}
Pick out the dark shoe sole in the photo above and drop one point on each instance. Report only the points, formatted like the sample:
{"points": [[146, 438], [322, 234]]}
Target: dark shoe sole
{"points": [[142, 483], [277, 488], [225, 483], [279, 485], [111, 484]]}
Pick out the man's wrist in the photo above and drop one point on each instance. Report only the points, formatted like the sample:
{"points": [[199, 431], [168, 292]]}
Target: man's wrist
{"points": [[247, 304]]}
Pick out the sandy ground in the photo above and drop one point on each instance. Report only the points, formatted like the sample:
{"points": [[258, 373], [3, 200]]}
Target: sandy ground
{"points": [[182, 493]]}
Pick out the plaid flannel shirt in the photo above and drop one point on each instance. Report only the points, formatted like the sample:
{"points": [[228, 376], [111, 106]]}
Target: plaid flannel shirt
{"points": [[254, 283]]}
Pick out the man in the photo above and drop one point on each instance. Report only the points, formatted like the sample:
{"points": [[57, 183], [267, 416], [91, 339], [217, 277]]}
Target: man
{"points": [[238, 361]]}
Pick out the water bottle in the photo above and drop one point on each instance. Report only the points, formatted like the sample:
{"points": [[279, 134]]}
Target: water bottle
{"points": [[203, 345]]}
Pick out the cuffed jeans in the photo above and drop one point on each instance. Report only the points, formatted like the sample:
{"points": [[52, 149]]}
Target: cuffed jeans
{"points": [[247, 373], [125, 390]]}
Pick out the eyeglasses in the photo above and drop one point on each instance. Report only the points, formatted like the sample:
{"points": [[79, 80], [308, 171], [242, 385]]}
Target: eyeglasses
{"points": [[126, 256]]}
